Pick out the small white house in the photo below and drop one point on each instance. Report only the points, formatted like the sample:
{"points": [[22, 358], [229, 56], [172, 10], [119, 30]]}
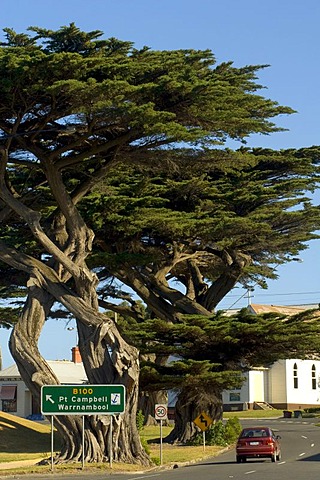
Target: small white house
{"points": [[288, 384], [16, 398]]}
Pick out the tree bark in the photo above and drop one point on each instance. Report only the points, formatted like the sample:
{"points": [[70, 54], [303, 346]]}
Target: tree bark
{"points": [[35, 371], [126, 445], [147, 403], [190, 404], [108, 359]]}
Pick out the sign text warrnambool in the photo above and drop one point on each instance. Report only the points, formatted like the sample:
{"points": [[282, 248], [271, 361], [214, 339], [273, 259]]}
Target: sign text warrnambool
{"points": [[82, 399]]}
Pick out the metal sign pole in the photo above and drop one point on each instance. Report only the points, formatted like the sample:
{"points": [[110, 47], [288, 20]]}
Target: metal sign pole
{"points": [[82, 442], [110, 441], [204, 440], [160, 442], [51, 443]]}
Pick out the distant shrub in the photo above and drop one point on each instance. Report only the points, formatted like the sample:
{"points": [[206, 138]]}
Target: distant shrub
{"points": [[139, 420], [145, 445], [312, 410]]}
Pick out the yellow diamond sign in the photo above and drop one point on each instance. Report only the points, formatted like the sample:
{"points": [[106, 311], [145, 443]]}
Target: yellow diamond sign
{"points": [[203, 421]]}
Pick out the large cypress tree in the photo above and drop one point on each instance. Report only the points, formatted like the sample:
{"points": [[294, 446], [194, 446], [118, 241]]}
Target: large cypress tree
{"points": [[72, 107]]}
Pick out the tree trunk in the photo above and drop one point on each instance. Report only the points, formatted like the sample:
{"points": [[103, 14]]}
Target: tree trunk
{"points": [[190, 404], [108, 359], [35, 372], [147, 403]]}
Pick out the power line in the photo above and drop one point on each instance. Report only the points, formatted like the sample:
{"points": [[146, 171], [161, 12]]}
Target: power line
{"points": [[279, 294], [247, 294]]}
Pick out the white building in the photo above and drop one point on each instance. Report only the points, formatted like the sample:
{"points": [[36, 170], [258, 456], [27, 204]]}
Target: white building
{"points": [[16, 398], [288, 384]]}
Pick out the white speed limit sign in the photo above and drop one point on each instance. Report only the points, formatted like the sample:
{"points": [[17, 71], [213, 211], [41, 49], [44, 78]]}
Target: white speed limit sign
{"points": [[161, 411]]}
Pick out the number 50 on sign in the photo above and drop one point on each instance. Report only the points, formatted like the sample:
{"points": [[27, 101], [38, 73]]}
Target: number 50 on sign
{"points": [[161, 411]]}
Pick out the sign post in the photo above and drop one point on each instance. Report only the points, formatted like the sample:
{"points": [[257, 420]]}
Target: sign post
{"points": [[52, 443], [82, 442], [161, 413]]}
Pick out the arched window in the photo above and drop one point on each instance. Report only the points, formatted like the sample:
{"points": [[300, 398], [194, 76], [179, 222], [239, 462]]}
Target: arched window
{"points": [[313, 377], [295, 376]]}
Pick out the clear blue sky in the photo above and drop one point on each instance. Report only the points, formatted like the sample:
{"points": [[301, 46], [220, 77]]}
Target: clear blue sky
{"points": [[282, 33]]}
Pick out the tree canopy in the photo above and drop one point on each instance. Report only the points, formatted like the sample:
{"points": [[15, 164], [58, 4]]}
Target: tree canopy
{"points": [[114, 166], [189, 234]]}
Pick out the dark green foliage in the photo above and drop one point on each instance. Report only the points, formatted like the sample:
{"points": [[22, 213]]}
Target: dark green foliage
{"points": [[233, 429], [214, 219], [9, 316], [140, 420], [110, 118], [212, 352]]}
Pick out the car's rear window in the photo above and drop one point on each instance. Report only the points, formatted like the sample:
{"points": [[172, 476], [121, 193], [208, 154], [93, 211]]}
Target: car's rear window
{"points": [[256, 432]]}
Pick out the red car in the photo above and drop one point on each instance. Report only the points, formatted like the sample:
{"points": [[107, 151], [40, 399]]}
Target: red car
{"points": [[258, 442]]}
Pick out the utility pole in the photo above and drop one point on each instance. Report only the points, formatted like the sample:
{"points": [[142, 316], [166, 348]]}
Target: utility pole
{"points": [[249, 296]]}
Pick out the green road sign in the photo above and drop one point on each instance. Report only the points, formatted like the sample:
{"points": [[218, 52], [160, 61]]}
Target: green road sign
{"points": [[82, 399]]}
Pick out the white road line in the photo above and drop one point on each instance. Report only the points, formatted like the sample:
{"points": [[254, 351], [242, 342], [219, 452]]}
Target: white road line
{"points": [[251, 471], [145, 476], [312, 444], [281, 463], [302, 436], [301, 454]]}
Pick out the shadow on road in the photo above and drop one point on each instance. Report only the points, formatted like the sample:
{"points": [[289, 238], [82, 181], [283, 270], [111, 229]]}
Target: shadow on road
{"points": [[312, 458]]}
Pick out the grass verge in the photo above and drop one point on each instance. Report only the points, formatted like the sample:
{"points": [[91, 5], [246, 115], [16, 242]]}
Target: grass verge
{"points": [[22, 439], [254, 414], [173, 453]]}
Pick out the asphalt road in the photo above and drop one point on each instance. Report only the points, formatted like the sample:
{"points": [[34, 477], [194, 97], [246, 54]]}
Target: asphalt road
{"points": [[300, 441]]}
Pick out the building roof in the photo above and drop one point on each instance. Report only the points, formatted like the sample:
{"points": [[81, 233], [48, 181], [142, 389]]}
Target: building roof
{"points": [[66, 371], [285, 310]]}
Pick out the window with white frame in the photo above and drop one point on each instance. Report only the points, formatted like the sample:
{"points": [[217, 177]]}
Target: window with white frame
{"points": [[295, 376], [234, 397], [8, 395], [314, 377]]}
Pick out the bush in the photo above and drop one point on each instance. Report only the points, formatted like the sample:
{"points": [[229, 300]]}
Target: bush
{"points": [[219, 433], [312, 410], [233, 429], [216, 435], [140, 420], [155, 460], [145, 445]]}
